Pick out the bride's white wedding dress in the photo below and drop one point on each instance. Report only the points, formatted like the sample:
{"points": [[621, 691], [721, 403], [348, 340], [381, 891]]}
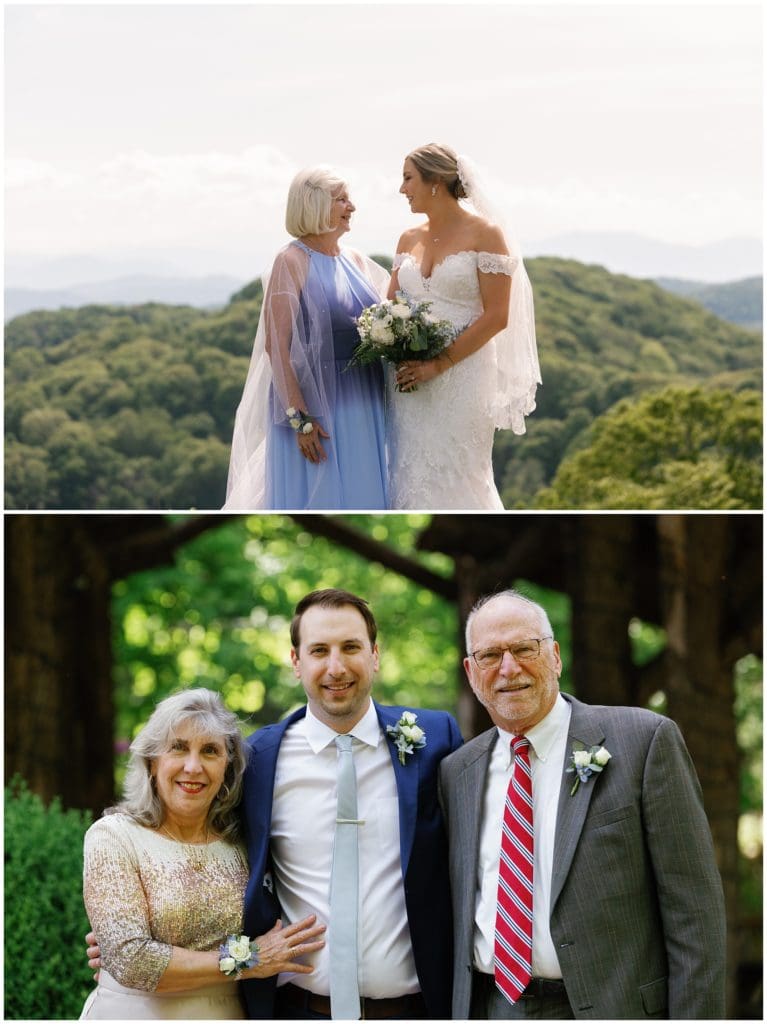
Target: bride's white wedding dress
{"points": [[441, 435]]}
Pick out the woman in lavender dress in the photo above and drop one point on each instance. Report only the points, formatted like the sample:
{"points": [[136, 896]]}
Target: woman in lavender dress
{"points": [[309, 431]]}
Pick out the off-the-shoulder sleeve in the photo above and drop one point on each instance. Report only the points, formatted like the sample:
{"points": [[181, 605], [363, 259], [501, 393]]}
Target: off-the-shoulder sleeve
{"points": [[496, 263], [117, 908]]}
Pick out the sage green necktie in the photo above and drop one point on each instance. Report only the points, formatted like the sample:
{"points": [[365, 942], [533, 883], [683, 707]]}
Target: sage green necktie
{"points": [[344, 890]]}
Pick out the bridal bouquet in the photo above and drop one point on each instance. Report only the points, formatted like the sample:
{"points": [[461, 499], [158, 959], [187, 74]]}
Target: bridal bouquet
{"points": [[400, 329]]}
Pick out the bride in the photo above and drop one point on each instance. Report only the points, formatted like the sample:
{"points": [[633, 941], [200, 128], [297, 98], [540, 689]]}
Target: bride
{"points": [[444, 411]]}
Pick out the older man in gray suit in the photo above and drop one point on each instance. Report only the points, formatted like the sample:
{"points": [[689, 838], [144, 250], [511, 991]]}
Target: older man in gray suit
{"points": [[621, 914]]}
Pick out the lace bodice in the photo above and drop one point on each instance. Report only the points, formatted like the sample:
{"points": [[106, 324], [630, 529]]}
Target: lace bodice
{"points": [[441, 436], [453, 285]]}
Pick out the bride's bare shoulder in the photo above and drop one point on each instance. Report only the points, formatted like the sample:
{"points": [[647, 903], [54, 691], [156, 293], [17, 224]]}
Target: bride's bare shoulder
{"points": [[410, 238], [488, 237]]}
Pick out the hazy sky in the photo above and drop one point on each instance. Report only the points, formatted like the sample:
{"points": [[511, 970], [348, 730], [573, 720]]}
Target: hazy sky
{"points": [[177, 128]]}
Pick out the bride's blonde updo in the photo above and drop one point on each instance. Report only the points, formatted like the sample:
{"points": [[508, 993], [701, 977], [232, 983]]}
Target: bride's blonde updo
{"points": [[439, 163]]}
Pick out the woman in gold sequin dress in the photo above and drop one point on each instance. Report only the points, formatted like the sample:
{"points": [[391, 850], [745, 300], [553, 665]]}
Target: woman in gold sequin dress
{"points": [[165, 874]]}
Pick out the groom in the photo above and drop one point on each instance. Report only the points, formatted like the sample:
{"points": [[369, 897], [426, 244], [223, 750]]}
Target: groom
{"points": [[606, 902], [289, 811]]}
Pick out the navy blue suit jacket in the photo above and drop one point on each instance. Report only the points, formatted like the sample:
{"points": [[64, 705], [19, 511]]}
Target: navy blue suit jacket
{"points": [[423, 847]]}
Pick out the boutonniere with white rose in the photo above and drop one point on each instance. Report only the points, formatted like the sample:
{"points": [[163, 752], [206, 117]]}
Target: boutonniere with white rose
{"points": [[237, 953], [586, 763], [407, 735]]}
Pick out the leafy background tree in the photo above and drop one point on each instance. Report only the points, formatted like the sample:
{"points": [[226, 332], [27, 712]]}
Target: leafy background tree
{"points": [[675, 448], [133, 407]]}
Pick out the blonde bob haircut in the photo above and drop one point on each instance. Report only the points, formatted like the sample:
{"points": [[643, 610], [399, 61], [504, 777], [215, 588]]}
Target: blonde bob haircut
{"points": [[205, 712], [310, 201]]}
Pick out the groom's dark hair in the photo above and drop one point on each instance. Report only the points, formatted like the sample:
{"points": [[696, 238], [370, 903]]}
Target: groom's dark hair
{"points": [[332, 598]]}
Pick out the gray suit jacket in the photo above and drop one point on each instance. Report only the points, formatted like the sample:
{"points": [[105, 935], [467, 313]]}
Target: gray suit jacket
{"points": [[637, 914]]}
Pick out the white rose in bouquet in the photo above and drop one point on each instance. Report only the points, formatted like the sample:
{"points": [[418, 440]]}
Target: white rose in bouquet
{"points": [[382, 334]]}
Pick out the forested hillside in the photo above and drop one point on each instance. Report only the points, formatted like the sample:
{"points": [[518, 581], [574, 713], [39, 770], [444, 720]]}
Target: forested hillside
{"points": [[740, 302], [132, 407]]}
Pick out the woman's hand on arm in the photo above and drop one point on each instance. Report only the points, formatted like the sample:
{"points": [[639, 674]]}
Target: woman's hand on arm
{"points": [[189, 969], [94, 954], [278, 948]]}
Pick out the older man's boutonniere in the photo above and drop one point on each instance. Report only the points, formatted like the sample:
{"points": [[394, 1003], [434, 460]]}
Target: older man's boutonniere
{"points": [[586, 762], [407, 735]]}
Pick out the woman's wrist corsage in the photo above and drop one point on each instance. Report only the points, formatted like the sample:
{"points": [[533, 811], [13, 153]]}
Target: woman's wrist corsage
{"points": [[237, 953], [299, 421]]}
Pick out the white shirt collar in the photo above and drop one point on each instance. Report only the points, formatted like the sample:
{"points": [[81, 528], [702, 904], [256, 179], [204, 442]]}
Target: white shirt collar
{"points": [[319, 735], [543, 735]]}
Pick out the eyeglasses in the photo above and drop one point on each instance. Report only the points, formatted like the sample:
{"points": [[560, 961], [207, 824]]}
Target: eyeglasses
{"points": [[489, 658]]}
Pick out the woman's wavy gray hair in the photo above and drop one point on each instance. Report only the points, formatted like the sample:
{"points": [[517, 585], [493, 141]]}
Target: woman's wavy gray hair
{"points": [[206, 711]]}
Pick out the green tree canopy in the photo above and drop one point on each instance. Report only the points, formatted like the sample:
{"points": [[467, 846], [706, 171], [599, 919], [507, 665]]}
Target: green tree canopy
{"points": [[133, 407], [677, 448]]}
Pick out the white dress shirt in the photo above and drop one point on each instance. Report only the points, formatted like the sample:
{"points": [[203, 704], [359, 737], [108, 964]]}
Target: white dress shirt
{"points": [[548, 740], [303, 827]]}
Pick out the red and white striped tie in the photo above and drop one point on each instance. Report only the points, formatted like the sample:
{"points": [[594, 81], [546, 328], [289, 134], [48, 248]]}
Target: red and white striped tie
{"points": [[514, 921]]}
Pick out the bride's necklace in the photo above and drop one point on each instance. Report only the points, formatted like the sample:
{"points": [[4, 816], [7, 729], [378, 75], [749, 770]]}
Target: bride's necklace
{"points": [[193, 851]]}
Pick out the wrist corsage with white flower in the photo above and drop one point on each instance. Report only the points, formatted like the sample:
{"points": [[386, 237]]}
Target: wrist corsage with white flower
{"points": [[407, 735], [586, 763], [299, 421], [237, 953]]}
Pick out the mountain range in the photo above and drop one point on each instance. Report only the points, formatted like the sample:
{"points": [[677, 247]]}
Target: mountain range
{"points": [[739, 302], [626, 253], [203, 292], [174, 277]]}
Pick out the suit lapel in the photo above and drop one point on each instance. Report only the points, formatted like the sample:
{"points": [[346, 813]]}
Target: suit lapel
{"points": [[406, 776], [470, 789], [262, 767], [584, 729]]}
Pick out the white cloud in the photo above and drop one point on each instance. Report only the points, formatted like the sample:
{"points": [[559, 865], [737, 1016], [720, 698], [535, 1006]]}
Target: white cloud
{"points": [[21, 172], [259, 174], [181, 125]]}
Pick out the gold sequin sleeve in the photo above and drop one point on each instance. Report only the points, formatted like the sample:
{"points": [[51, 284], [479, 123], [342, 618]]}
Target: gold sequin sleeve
{"points": [[118, 907]]}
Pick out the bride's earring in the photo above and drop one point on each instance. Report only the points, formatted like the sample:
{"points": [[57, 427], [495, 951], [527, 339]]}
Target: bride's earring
{"points": [[434, 190]]}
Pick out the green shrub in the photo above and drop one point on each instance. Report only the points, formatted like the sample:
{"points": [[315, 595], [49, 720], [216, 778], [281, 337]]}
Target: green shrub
{"points": [[46, 974]]}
